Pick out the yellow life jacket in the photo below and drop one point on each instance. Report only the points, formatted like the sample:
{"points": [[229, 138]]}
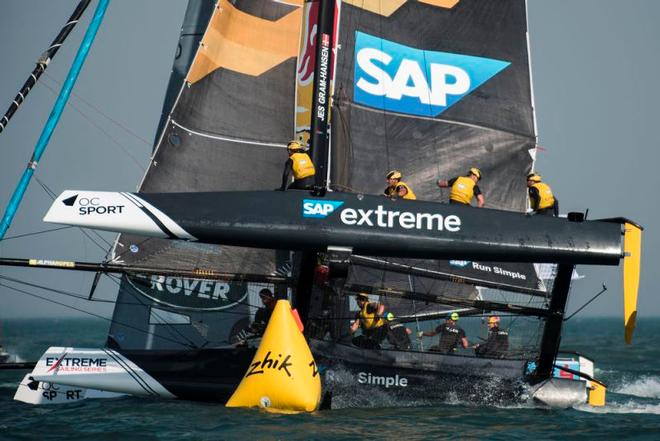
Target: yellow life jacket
{"points": [[369, 320], [546, 198], [409, 195], [463, 190], [302, 166]]}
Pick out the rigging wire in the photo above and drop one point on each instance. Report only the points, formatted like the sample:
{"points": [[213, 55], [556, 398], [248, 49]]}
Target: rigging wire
{"points": [[87, 312], [103, 114], [35, 233], [102, 130]]}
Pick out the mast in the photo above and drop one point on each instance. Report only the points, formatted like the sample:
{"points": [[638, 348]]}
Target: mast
{"points": [[43, 61], [552, 331], [54, 117], [319, 139]]}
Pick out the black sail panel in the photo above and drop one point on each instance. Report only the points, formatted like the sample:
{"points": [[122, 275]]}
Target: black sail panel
{"points": [[227, 131]]}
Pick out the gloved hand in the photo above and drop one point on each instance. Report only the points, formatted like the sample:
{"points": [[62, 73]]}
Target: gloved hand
{"points": [[420, 334]]}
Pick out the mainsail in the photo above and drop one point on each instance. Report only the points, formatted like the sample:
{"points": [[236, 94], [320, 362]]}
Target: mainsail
{"points": [[226, 131], [398, 104]]}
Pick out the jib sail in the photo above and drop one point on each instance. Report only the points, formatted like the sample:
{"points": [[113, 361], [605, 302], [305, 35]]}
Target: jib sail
{"points": [[227, 130]]}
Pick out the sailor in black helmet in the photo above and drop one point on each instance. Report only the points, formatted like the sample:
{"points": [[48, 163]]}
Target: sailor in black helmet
{"points": [[300, 166], [262, 316]]}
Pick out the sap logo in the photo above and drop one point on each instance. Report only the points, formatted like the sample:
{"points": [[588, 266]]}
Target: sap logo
{"points": [[398, 78], [319, 208], [459, 263]]}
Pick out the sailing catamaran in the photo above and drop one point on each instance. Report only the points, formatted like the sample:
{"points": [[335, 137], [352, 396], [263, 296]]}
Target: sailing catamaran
{"points": [[429, 87]]}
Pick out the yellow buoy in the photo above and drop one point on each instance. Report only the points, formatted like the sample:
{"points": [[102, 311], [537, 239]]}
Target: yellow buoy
{"points": [[282, 376]]}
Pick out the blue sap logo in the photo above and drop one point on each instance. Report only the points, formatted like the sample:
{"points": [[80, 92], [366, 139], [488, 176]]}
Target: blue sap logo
{"points": [[403, 79], [319, 208], [459, 263]]}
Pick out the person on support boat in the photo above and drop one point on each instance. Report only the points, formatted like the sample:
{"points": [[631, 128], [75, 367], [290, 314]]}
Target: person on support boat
{"points": [[370, 318], [451, 335], [541, 198], [497, 343], [396, 188], [300, 166], [464, 188]]}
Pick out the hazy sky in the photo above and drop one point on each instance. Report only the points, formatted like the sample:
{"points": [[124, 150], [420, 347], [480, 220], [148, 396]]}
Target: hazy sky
{"points": [[595, 66]]}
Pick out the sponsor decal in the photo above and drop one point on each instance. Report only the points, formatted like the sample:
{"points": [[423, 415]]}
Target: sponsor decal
{"points": [[52, 391], [278, 364], [380, 217], [76, 364], [497, 270], [398, 78], [92, 205], [323, 82], [319, 208], [459, 263], [191, 293], [387, 381]]}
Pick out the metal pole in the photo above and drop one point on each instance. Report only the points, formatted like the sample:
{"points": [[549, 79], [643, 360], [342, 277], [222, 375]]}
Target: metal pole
{"points": [[54, 117], [42, 63]]}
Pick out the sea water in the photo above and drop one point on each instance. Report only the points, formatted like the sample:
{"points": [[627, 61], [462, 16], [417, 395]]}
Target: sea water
{"points": [[632, 411]]}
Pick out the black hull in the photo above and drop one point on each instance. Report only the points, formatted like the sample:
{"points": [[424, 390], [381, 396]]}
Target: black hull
{"points": [[352, 377]]}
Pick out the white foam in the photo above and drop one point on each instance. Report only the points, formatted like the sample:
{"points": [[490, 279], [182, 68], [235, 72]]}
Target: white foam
{"points": [[629, 407], [646, 387]]}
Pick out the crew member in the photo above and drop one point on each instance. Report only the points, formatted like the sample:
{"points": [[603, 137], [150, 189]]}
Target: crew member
{"points": [[497, 344], [300, 166], [541, 198], [464, 188], [396, 188], [262, 316], [451, 335], [370, 319]]}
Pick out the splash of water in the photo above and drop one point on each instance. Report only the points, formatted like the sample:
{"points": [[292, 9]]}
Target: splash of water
{"points": [[619, 408], [646, 387]]}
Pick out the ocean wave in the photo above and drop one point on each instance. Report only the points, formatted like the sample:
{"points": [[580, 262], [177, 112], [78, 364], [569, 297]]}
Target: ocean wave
{"points": [[628, 407], [646, 387]]}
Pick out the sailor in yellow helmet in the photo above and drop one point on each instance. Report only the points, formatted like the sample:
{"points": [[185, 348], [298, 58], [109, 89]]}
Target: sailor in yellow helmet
{"points": [[497, 343], [300, 166], [464, 188], [396, 188], [541, 198], [372, 319]]}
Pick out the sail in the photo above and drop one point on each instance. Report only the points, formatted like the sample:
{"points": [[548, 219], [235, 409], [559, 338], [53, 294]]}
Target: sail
{"points": [[227, 130], [432, 89]]}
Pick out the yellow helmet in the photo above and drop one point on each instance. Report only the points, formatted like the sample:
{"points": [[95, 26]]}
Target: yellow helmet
{"points": [[454, 316], [394, 174], [294, 145], [493, 319], [534, 177], [475, 171]]}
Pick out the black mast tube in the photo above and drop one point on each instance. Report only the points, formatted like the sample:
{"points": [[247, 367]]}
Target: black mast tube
{"points": [[43, 61], [319, 139], [552, 331]]}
